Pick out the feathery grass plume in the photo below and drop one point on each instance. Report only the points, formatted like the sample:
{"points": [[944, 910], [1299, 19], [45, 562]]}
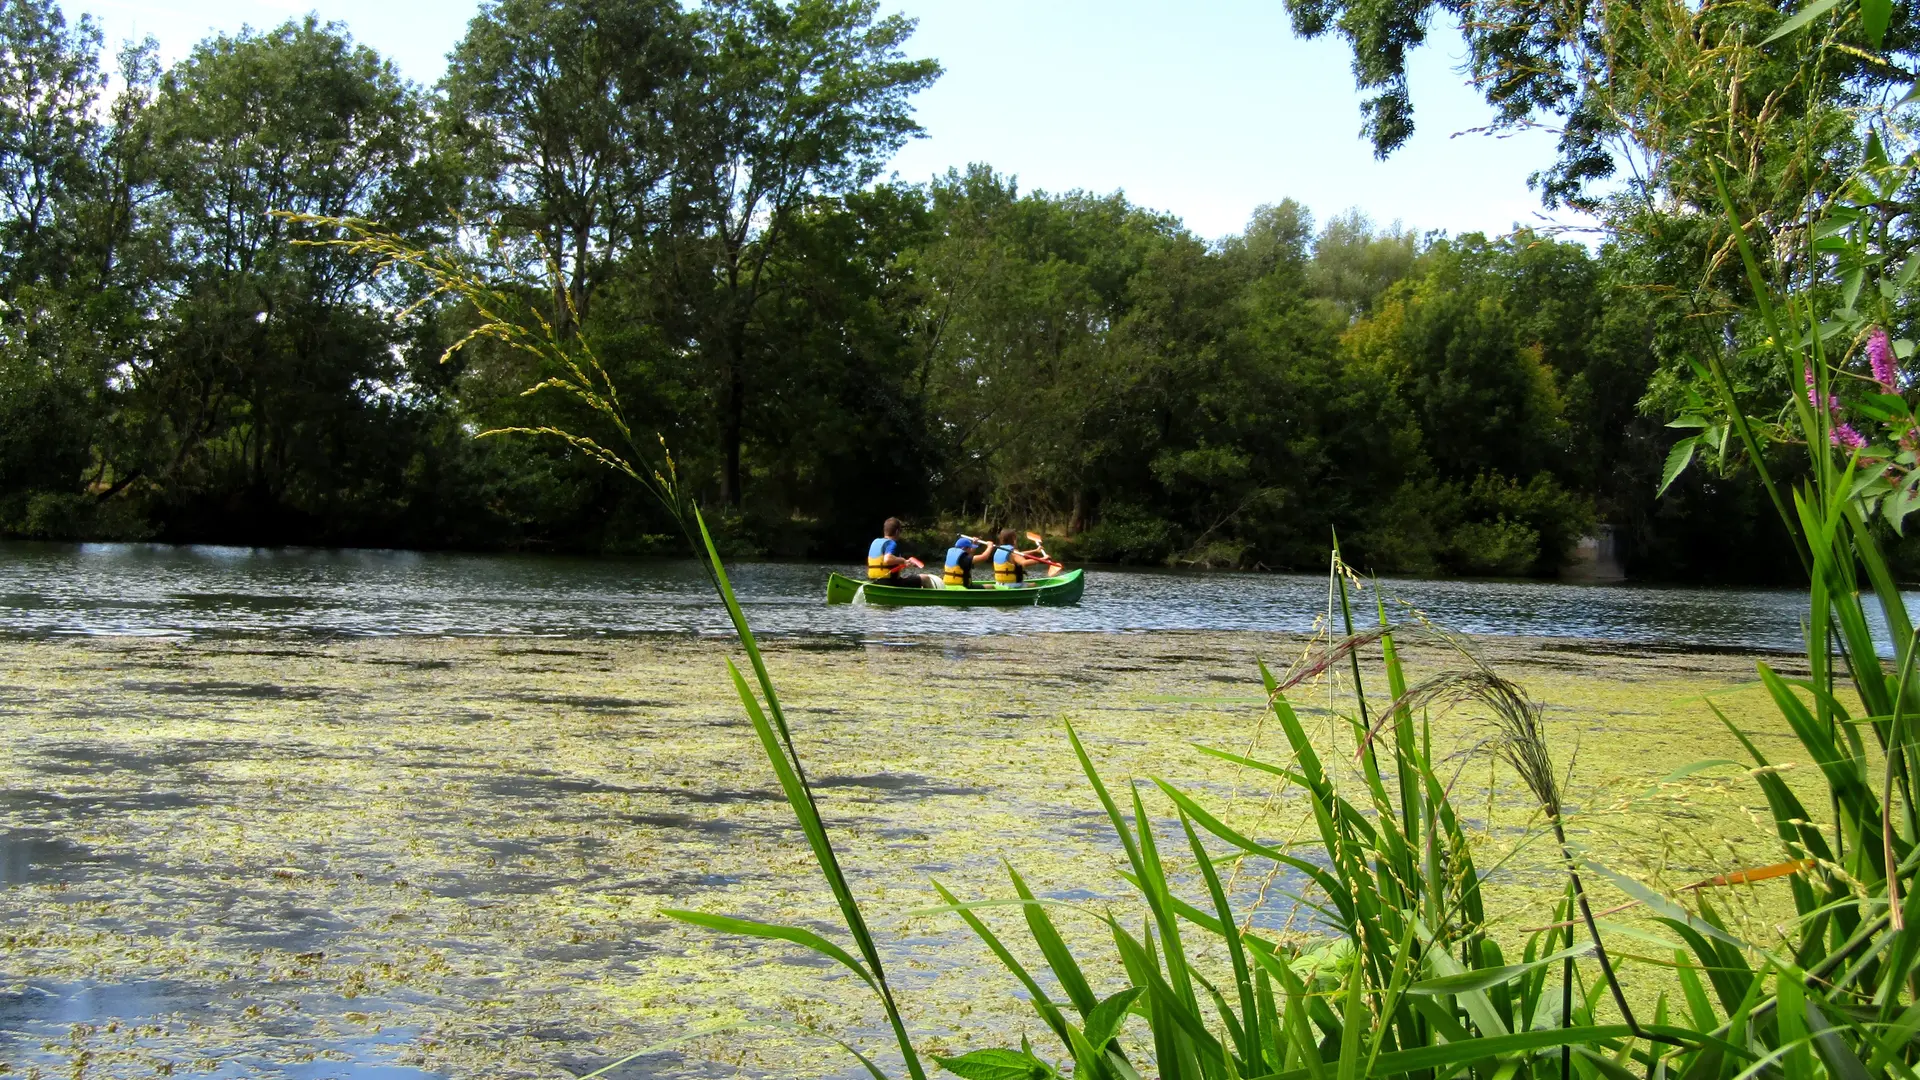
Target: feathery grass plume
{"points": [[1520, 742], [523, 329]]}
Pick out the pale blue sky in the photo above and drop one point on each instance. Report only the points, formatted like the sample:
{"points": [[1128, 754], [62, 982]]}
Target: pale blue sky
{"points": [[1203, 109]]}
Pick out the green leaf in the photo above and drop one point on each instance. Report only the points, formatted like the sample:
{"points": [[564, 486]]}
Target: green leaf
{"points": [[1662, 906], [1874, 16], [1053, 948], [1677, 461], [1105, 1020], [1836, 222], [1446, 1055], [1806, 15], [997, 1065], [1483, 978], [1842, 1063], [1604, 1065], [1685, 771], [799, 935], [1353, 1023]]}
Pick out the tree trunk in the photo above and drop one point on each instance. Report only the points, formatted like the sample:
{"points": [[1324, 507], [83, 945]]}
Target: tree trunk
{"points": [[1077, 519], [732, 422]]}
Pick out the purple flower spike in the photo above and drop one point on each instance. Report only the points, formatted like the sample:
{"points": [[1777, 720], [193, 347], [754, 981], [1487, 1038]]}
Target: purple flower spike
{"points": [[1880, 355], [1845, 437], [1813, 394]]}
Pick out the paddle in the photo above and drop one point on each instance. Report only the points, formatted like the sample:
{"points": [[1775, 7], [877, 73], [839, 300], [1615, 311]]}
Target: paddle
{"points": [[911, 562], [1040, 545]]}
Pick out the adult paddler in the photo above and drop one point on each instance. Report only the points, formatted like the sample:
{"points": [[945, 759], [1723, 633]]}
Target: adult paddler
{"points": [[887, 564], [1010, 564]]}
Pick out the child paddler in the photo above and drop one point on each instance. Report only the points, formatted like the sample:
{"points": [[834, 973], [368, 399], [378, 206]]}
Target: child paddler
{"points": [[887, 564], [1010, 564], [959, 569]]}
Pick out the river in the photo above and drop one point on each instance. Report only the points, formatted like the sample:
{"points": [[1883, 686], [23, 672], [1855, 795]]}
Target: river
{"points": [[155, 589]]}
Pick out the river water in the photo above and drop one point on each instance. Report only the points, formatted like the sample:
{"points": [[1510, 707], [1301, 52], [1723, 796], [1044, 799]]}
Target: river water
{"points": [[150, 589]]}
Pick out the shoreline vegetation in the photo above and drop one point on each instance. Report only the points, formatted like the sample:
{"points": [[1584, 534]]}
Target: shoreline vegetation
{"points": [[452, 852], [824, 346]]}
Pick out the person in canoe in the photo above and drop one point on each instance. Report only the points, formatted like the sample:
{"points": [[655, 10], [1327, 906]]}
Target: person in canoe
{"points": [[1010, 564], [887, 564], [960, 557]]}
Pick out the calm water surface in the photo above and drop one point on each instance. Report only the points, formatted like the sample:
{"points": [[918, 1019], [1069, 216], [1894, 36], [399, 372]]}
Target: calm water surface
{"points": [[162, 589]]}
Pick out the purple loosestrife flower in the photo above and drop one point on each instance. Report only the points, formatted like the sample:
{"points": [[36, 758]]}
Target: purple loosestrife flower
{"points": [[1813, 395], [1880, 355], [1845, 437]]}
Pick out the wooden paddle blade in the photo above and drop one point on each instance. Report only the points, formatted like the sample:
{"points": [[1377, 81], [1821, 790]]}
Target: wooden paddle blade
{"points": [[1036, 538]]}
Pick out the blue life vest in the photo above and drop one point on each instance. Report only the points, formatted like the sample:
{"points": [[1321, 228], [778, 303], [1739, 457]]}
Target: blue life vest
{"points": [[877, 568]]}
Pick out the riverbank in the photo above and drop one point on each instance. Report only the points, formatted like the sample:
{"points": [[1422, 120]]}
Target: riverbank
{"points": [[449, 854]]}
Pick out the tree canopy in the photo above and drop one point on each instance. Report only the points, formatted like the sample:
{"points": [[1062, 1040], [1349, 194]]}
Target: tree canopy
{"points": [[695, 191]]}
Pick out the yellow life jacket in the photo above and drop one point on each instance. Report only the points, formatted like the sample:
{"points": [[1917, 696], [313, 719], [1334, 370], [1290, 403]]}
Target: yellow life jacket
{"points": [[877, 568], [959, 561], [1005, 570]]}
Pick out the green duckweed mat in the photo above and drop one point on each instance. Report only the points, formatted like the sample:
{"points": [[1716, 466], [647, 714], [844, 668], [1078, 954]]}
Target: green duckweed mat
{"points": [[362, 858]]}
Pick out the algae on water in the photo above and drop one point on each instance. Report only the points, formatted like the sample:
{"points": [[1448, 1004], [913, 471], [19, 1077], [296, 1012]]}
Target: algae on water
{"points": [[450, 853]]}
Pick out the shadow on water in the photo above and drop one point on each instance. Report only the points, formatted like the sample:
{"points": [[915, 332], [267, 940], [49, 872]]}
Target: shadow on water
{"points": [[269, 691], [87, 805], [91, 758], [46, 1025], [26, 857], [896, 784], [550, 787], [589, 702]]}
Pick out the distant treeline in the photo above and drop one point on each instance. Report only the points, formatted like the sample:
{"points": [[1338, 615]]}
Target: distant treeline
{"points": [[699, 187]]}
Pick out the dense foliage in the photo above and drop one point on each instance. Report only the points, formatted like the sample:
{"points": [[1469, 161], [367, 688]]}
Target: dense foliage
{"points": [[698, 186]]}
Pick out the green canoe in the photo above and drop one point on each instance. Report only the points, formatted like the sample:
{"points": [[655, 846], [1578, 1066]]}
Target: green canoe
{"points": [[1051, 592]]}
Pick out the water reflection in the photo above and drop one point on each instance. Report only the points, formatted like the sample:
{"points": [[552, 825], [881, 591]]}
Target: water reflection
{"points": [[162, 589], [133, 1021]]}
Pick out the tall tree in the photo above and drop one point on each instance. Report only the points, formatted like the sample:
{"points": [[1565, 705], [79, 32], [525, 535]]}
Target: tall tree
{"points": [[567, 112], [50, 78], [804, 99], [51, 380], [276, 359]]}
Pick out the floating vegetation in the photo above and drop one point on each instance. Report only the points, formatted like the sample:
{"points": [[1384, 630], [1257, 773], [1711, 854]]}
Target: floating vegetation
{"points": [[425, 853]]}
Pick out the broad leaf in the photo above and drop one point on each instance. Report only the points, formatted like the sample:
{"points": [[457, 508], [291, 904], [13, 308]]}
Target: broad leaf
{"points": [[997, 1065], [1677, 461], [1483, 978], [1105, 1020]]}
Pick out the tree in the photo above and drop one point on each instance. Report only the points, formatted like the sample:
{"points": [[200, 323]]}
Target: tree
{"points": [[273, 368], [50, 79], [802, 100], [1354, 262], [1661, 89], [567, 114]]}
